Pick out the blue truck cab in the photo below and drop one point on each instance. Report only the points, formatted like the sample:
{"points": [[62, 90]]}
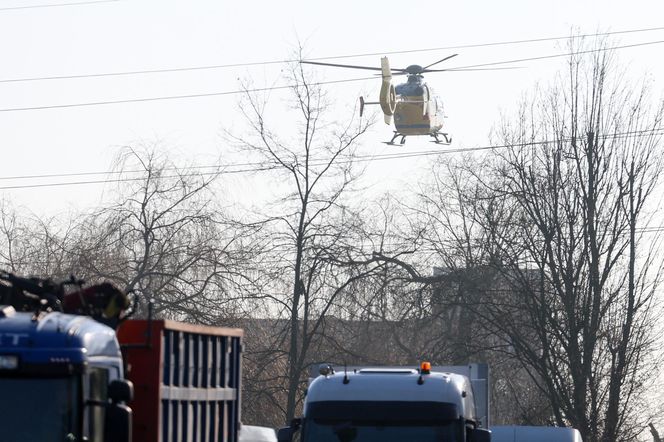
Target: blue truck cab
{"points": [[61, 379]]}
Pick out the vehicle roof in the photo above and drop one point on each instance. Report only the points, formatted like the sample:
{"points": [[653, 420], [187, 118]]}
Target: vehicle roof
{"points": [[395, 385], [79, 337], [517, 433]]}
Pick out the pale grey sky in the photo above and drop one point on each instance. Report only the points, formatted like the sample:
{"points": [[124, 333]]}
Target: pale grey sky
{"points": [[130, 35]]}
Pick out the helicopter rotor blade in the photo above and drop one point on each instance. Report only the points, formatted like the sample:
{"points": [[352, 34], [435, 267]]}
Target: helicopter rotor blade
{"points": [[473, 69], [371, 68], [395, 72], [350, 66], [439, 61]]}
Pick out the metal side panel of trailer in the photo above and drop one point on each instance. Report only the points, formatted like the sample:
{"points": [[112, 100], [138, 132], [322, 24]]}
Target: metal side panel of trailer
{"points": [[187, 380]]}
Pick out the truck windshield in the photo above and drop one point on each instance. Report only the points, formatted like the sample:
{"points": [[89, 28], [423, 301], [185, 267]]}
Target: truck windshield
{"points": [[319, 430], [39, 409]]}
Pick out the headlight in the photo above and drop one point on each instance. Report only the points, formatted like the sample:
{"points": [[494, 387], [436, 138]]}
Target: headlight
{"points": [[8, 362]]}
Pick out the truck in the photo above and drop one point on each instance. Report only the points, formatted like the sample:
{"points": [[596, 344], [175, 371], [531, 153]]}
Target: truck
{"points": [[394, 404], [72, 370], [429, 403]]}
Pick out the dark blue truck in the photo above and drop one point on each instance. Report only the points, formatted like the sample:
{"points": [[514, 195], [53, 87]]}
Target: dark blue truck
{"points": [[61, 378], [71, 376]]}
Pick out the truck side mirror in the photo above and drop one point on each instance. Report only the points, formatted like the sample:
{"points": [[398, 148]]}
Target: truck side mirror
{"points": [[120, 390], [285, 434], [117, 424], [479, 435]]}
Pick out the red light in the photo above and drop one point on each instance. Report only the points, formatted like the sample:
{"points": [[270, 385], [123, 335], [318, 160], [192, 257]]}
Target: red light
{"points": [[425, 368]]}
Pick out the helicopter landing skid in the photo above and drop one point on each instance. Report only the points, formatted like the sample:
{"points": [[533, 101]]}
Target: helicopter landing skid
{"points": [[396, 135], [447, 140]]}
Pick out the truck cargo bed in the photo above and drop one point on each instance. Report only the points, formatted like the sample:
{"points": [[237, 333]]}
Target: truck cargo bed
{"points": [[187, 380]]}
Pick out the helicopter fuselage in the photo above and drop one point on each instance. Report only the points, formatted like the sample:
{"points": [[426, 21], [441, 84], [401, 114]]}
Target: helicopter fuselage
{"points": [[418, 111]]}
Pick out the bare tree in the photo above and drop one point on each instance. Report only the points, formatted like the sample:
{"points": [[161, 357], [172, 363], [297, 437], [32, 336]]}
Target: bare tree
{"points": [[30, 245], [577, 271], [434, 315], [12, 235], [165, 238], [315, 246], [548, 242]]}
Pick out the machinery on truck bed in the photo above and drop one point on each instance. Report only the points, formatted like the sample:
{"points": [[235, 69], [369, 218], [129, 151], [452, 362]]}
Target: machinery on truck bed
{"points": [[72, 377], [391, 404]]}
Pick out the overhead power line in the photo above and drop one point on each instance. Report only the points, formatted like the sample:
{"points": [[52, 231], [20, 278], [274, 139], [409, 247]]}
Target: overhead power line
{"points": [[175, 97], [235, 92], [226, 169], [499, 43], [241, 91], [544, 57], [392, 155], [55, 5], [260, 63]]}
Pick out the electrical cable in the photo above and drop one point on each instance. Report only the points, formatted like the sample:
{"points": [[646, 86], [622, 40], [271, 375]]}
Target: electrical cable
{"points": [[545, 57], [258, 166], [54, 5], [176, 97], [395, 155], [261, 167], [500, 43], [235, 92], [260, 63]]}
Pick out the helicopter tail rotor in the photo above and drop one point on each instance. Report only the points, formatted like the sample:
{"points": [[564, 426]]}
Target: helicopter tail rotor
{"points": [[388, 98]]}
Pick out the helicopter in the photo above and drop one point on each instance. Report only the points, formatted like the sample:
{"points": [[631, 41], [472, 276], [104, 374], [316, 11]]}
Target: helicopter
{"points": [[412, 106]]}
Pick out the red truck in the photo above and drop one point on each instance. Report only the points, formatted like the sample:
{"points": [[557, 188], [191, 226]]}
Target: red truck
{"points": [[187, 380]]}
